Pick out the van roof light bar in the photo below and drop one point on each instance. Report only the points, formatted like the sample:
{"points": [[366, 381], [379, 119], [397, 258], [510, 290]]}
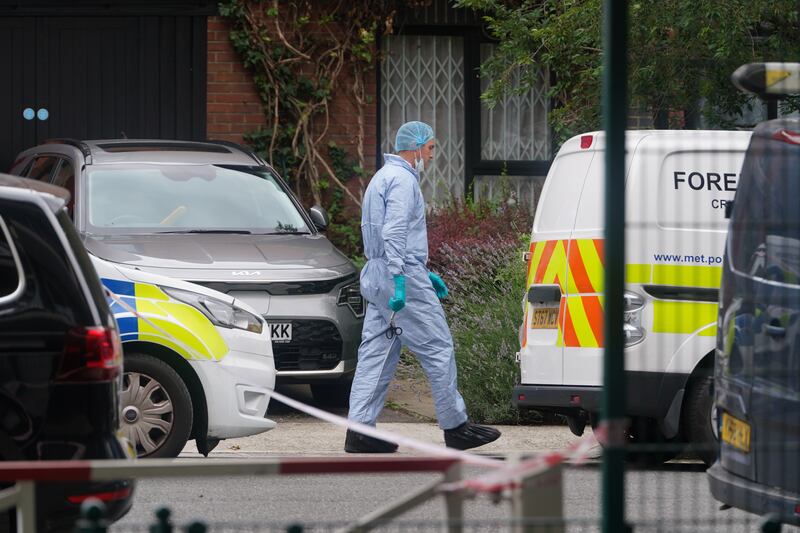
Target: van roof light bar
{"points": [[768, 79]]}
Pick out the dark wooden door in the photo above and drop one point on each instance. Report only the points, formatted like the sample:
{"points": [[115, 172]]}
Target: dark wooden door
{"points": [[18, 88], [101, 77]]}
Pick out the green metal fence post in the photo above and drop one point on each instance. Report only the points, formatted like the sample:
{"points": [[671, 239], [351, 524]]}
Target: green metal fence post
{"points": [[771, 524], [93, 517], [164, 524], [615, 113], [197, 527]]}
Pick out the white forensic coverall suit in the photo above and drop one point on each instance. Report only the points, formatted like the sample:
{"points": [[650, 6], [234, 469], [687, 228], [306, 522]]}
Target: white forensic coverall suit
{"points": [[396, 243]]}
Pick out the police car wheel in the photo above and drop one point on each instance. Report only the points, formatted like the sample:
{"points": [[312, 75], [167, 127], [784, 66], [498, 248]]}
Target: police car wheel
{"points": [[155, 407], [699, 418], [335, 394]]}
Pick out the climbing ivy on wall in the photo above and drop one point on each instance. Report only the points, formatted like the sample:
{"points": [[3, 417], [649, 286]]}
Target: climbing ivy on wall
{"points": [[301, 54]]}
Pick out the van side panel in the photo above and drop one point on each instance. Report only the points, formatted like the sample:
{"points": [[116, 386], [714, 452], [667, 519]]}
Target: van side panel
{"points": [[678, 188]]}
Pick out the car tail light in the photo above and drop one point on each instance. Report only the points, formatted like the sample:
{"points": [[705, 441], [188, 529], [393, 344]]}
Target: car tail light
{"points": [[586, 141], [107, 496], [91, 354]]}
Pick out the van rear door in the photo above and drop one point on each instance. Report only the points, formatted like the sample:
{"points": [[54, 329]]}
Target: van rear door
{"points": [[542, 333]]}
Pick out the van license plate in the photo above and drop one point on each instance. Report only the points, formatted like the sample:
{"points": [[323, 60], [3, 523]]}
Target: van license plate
{"points": [[281, 332], [545, 318], [736, 432]]}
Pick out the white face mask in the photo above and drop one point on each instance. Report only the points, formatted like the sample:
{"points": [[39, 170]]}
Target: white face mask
{"points": [[419, 164]]}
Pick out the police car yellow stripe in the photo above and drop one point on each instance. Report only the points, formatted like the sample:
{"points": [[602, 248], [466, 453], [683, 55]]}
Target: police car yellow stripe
{"points": [[165, 321]]}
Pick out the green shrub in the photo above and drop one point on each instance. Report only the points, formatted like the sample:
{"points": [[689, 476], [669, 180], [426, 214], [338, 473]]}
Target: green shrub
{"points": [[484, 321]]}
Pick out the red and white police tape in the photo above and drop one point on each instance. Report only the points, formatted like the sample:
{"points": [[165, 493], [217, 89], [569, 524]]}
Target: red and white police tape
{"points": [[504, 475]]}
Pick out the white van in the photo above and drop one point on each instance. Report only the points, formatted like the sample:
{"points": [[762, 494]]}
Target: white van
{"points": [[678, 184]]}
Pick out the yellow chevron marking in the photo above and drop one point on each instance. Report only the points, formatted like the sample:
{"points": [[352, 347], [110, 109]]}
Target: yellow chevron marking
{"points": [[537, 257], [592, 263], [581, 323], [557, 266]]}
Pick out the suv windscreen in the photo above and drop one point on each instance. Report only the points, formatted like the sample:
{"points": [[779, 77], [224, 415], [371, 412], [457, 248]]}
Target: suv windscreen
{"points": [[766, 224], [149, 198]]}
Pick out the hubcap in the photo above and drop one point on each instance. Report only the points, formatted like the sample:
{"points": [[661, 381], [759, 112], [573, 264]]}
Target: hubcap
{"points": [[147, 413]]}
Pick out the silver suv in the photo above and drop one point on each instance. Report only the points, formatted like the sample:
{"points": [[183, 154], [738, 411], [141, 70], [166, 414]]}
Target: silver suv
{"points": [[216, 214]]}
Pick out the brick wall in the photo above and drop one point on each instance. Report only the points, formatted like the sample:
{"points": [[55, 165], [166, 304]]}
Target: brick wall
{"points": [[234, 107]]}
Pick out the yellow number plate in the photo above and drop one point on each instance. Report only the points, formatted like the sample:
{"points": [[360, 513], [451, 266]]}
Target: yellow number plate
{"points": [[545, 318], [736, 432]]}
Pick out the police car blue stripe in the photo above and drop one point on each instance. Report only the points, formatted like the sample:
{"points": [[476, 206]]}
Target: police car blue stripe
{"points": [[126, 290]]}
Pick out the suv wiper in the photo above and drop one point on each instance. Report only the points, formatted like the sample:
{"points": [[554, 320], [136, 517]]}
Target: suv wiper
{"points": [[286, 233], [228, 231]]}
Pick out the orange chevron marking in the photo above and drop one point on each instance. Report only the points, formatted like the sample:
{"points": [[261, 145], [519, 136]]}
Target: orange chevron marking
{"points": [[594, 313], [541, 268]]}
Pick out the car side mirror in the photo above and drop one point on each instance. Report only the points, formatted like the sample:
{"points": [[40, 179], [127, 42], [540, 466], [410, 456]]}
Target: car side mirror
{"points": [[319, 217]]}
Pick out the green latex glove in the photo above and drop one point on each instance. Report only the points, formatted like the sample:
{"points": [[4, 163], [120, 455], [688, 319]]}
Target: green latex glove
{"points": [[438, 285], [398, 301]]}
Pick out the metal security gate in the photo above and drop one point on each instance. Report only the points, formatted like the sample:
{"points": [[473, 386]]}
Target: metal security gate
{"points": [[423, 79], [489, 153]]}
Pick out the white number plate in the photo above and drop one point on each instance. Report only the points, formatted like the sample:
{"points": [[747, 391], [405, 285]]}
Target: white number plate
{"points": [[281, 332]]}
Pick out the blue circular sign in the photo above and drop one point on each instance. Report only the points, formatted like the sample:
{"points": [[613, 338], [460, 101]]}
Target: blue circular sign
{"points": [[28, 113], [43, 114]]}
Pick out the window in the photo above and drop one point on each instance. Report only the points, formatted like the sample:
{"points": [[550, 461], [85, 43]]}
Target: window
{"points": [[515, 129], [766, 228], [11, 279], [42, 168], [65, 177], [423, 79], [142, 198]]}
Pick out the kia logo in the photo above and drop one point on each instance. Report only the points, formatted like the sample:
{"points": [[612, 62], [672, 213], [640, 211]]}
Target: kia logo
{"points": [[246, 273]]}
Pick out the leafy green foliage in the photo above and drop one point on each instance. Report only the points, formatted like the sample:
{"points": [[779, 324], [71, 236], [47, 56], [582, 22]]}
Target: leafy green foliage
{"points": [[681, 53], [477, 248], [301, 54], [345, 233]]}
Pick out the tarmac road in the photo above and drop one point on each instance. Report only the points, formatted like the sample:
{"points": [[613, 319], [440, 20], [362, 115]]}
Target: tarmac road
{"points": [[674, 497]]}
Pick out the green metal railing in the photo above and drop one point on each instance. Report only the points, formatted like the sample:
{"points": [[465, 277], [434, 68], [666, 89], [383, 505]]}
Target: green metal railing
{"points": [[615, 113]]}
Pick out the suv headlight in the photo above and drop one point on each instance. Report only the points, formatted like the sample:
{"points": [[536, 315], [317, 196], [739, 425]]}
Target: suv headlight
{"points": [[350, 295], [632, 318], [218, 312]]}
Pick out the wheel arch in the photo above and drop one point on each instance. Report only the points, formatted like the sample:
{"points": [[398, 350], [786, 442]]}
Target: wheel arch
{"points": [[188, 375]]}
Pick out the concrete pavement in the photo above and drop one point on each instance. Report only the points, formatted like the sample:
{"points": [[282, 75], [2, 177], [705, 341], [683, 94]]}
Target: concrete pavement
{"points": [[319, 438], [409, 413]]}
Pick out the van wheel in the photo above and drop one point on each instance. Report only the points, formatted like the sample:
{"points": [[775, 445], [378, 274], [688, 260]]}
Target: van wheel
{"points": [[646, 445], [700, 418], [335, 394], [155, 407]]}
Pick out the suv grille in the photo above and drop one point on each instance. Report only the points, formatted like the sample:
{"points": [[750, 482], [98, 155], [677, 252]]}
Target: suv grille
{"points": [[315, 345], [278, 288]]}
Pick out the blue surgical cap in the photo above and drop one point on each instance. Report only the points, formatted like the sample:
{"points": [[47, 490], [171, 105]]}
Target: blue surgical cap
{"points": [[412, 135]]}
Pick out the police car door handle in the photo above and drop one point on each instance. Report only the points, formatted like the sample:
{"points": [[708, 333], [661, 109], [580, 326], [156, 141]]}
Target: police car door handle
{"points": [[775, 331]]}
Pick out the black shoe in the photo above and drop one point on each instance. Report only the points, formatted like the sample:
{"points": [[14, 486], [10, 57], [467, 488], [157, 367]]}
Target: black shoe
{"points": [[358, 443], [469, 435]]}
